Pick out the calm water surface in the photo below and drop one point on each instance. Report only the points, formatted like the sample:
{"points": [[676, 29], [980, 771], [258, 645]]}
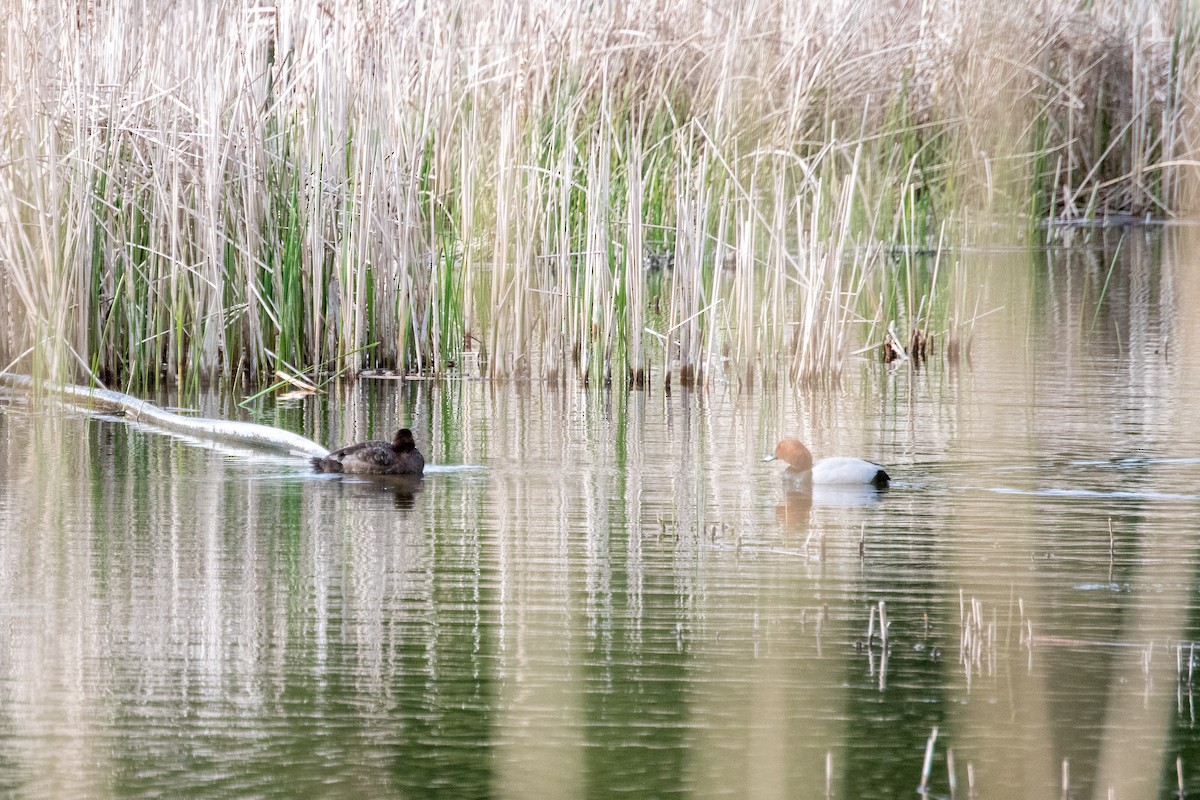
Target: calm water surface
{"points": [[599, 594]]}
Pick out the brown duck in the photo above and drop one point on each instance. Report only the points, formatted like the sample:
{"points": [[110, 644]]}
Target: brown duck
{"points": [[397, 457]]}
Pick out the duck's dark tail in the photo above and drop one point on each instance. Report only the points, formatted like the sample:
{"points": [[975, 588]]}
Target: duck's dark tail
{"points": [[325, 464]]}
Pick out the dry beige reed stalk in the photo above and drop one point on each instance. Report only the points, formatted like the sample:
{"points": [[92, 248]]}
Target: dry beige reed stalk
{"points": [[345, 176]]}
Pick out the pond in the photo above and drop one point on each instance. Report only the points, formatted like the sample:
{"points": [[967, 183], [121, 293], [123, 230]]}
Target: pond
{"points": [[599, 593]]}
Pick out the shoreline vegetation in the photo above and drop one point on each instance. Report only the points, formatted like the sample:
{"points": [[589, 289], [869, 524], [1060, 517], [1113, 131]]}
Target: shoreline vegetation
{"points": [[195, 191]]}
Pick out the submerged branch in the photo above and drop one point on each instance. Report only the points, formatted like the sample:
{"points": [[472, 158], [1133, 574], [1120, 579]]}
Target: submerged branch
{"points": [[107, 400]]}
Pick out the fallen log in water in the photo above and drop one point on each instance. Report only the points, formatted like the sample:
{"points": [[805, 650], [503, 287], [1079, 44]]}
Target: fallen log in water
{"points": [[149, 414]]}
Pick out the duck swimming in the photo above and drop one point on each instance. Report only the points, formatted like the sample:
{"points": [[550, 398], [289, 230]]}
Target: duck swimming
{"points": [[397, 457], [837, 470]]}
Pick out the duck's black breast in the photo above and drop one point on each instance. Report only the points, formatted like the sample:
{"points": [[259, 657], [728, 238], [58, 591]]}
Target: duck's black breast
{"points": [[410, 462]]}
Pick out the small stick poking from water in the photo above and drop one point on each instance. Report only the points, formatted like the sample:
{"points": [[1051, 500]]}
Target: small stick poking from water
{"points": [[1179, 774], [950, 770], [1066, 778], [871, 628], [970, 779], [883, 624], [828, 773], [924, 787], [1112, 549]]}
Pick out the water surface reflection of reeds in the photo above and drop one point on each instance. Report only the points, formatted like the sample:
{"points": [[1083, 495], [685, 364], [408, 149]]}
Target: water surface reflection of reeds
{"points": [[617, 597]]}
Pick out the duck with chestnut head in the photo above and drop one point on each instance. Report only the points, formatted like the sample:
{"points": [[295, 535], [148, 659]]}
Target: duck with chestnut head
{"points": [[836, 471]]}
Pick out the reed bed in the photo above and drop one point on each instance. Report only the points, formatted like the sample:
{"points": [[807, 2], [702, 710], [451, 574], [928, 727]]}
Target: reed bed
{"points": [[198, 190]]}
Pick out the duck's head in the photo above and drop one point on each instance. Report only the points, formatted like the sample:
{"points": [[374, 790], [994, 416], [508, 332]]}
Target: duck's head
{"points": [[794, 453], [404, 440]]}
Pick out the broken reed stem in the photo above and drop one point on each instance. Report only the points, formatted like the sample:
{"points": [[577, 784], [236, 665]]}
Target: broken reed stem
{"points": [[928, 764]]}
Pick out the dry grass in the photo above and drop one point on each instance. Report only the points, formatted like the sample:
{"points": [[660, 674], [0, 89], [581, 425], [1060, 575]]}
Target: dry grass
{"points": [[197, 190]]}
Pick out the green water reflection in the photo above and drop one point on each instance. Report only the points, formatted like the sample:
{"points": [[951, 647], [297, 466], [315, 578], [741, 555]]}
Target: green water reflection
{"points": [[600, 594]]}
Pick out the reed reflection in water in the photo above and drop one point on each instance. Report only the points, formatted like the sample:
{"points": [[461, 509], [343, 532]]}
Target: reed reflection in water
{"points": [[602, 594]]}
